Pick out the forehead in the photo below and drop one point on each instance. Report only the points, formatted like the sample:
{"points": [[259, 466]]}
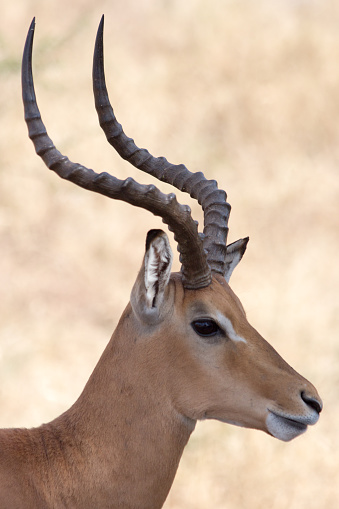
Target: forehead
{"points": [[217, 297]]}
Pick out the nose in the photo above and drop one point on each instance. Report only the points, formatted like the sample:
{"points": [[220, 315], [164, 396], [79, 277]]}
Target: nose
{"points": [[313, 402]]}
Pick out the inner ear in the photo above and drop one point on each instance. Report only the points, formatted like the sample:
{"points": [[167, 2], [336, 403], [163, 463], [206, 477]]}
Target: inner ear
{"points": [[157, 266], [234, 253]]}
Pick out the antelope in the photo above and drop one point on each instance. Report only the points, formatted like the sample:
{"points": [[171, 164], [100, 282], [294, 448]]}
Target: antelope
{"points": [[182, 351]]}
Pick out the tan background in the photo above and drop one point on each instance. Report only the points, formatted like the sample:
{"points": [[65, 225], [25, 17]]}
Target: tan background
{"points": [[247, 92]]}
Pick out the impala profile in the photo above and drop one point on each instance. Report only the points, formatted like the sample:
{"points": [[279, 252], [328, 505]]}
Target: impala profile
{"points": [[183, 349]]}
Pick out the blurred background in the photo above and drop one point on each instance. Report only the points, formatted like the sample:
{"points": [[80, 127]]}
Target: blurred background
{"points": [[247, 92]]}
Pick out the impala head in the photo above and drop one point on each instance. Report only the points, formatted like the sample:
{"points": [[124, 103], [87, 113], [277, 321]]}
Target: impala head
{"points": [[213, 363], [217, 365]]}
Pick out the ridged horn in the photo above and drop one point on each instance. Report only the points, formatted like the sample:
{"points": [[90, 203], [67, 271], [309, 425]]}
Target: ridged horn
{"points": [[213, 200], [196, 272]]}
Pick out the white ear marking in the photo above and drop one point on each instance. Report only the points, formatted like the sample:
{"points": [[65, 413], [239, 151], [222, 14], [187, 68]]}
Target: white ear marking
{"points": [[158, 262]]}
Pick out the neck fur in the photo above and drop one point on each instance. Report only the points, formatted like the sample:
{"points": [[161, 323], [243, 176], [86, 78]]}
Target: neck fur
{"points": [[128, 436]]}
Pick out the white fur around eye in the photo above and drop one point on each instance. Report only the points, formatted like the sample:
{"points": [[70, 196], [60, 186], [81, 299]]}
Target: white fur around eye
{"points": [[226, 324]]}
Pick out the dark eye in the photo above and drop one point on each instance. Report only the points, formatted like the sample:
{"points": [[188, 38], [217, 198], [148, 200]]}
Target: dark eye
{"points": [[205, 327]]}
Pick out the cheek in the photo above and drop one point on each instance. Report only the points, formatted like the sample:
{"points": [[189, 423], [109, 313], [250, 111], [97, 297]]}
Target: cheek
{"points": [[226, 374]]}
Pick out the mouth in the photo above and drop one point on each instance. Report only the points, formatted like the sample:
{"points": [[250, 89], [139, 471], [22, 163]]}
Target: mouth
{"points": [[286, 428]]}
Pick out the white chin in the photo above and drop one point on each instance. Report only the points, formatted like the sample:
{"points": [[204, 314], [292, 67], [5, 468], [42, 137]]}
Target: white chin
{"points": [[283, 428]]}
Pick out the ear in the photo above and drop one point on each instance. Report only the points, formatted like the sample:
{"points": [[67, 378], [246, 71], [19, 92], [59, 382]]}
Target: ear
{"points": [[234, 253], [149, 289]]}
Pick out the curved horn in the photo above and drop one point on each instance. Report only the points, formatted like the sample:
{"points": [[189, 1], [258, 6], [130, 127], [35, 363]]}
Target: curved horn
{"points": [[213, 200], [195, 269]]}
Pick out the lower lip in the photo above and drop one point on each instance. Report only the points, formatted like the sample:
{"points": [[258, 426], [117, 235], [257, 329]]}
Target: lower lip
{"points": [[294, 424]]}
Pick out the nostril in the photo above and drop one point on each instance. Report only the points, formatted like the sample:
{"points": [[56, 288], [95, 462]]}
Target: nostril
{"points": [[312, 402]]}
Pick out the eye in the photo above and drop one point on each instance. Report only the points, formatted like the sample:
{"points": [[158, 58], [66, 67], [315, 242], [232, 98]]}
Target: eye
{"points": [[205, 327]]}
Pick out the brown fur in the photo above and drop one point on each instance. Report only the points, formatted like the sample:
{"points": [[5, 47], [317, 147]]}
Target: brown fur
{"points": [[120, 444]]}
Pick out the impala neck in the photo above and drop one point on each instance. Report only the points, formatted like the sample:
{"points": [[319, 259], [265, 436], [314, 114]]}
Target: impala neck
{"points": [[125, 426]]}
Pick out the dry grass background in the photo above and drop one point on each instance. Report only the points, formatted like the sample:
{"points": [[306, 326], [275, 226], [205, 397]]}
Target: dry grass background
{"points": [[249, 93]]}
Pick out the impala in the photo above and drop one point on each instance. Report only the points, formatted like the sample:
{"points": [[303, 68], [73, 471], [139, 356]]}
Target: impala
{"points": [[183, 349]]}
